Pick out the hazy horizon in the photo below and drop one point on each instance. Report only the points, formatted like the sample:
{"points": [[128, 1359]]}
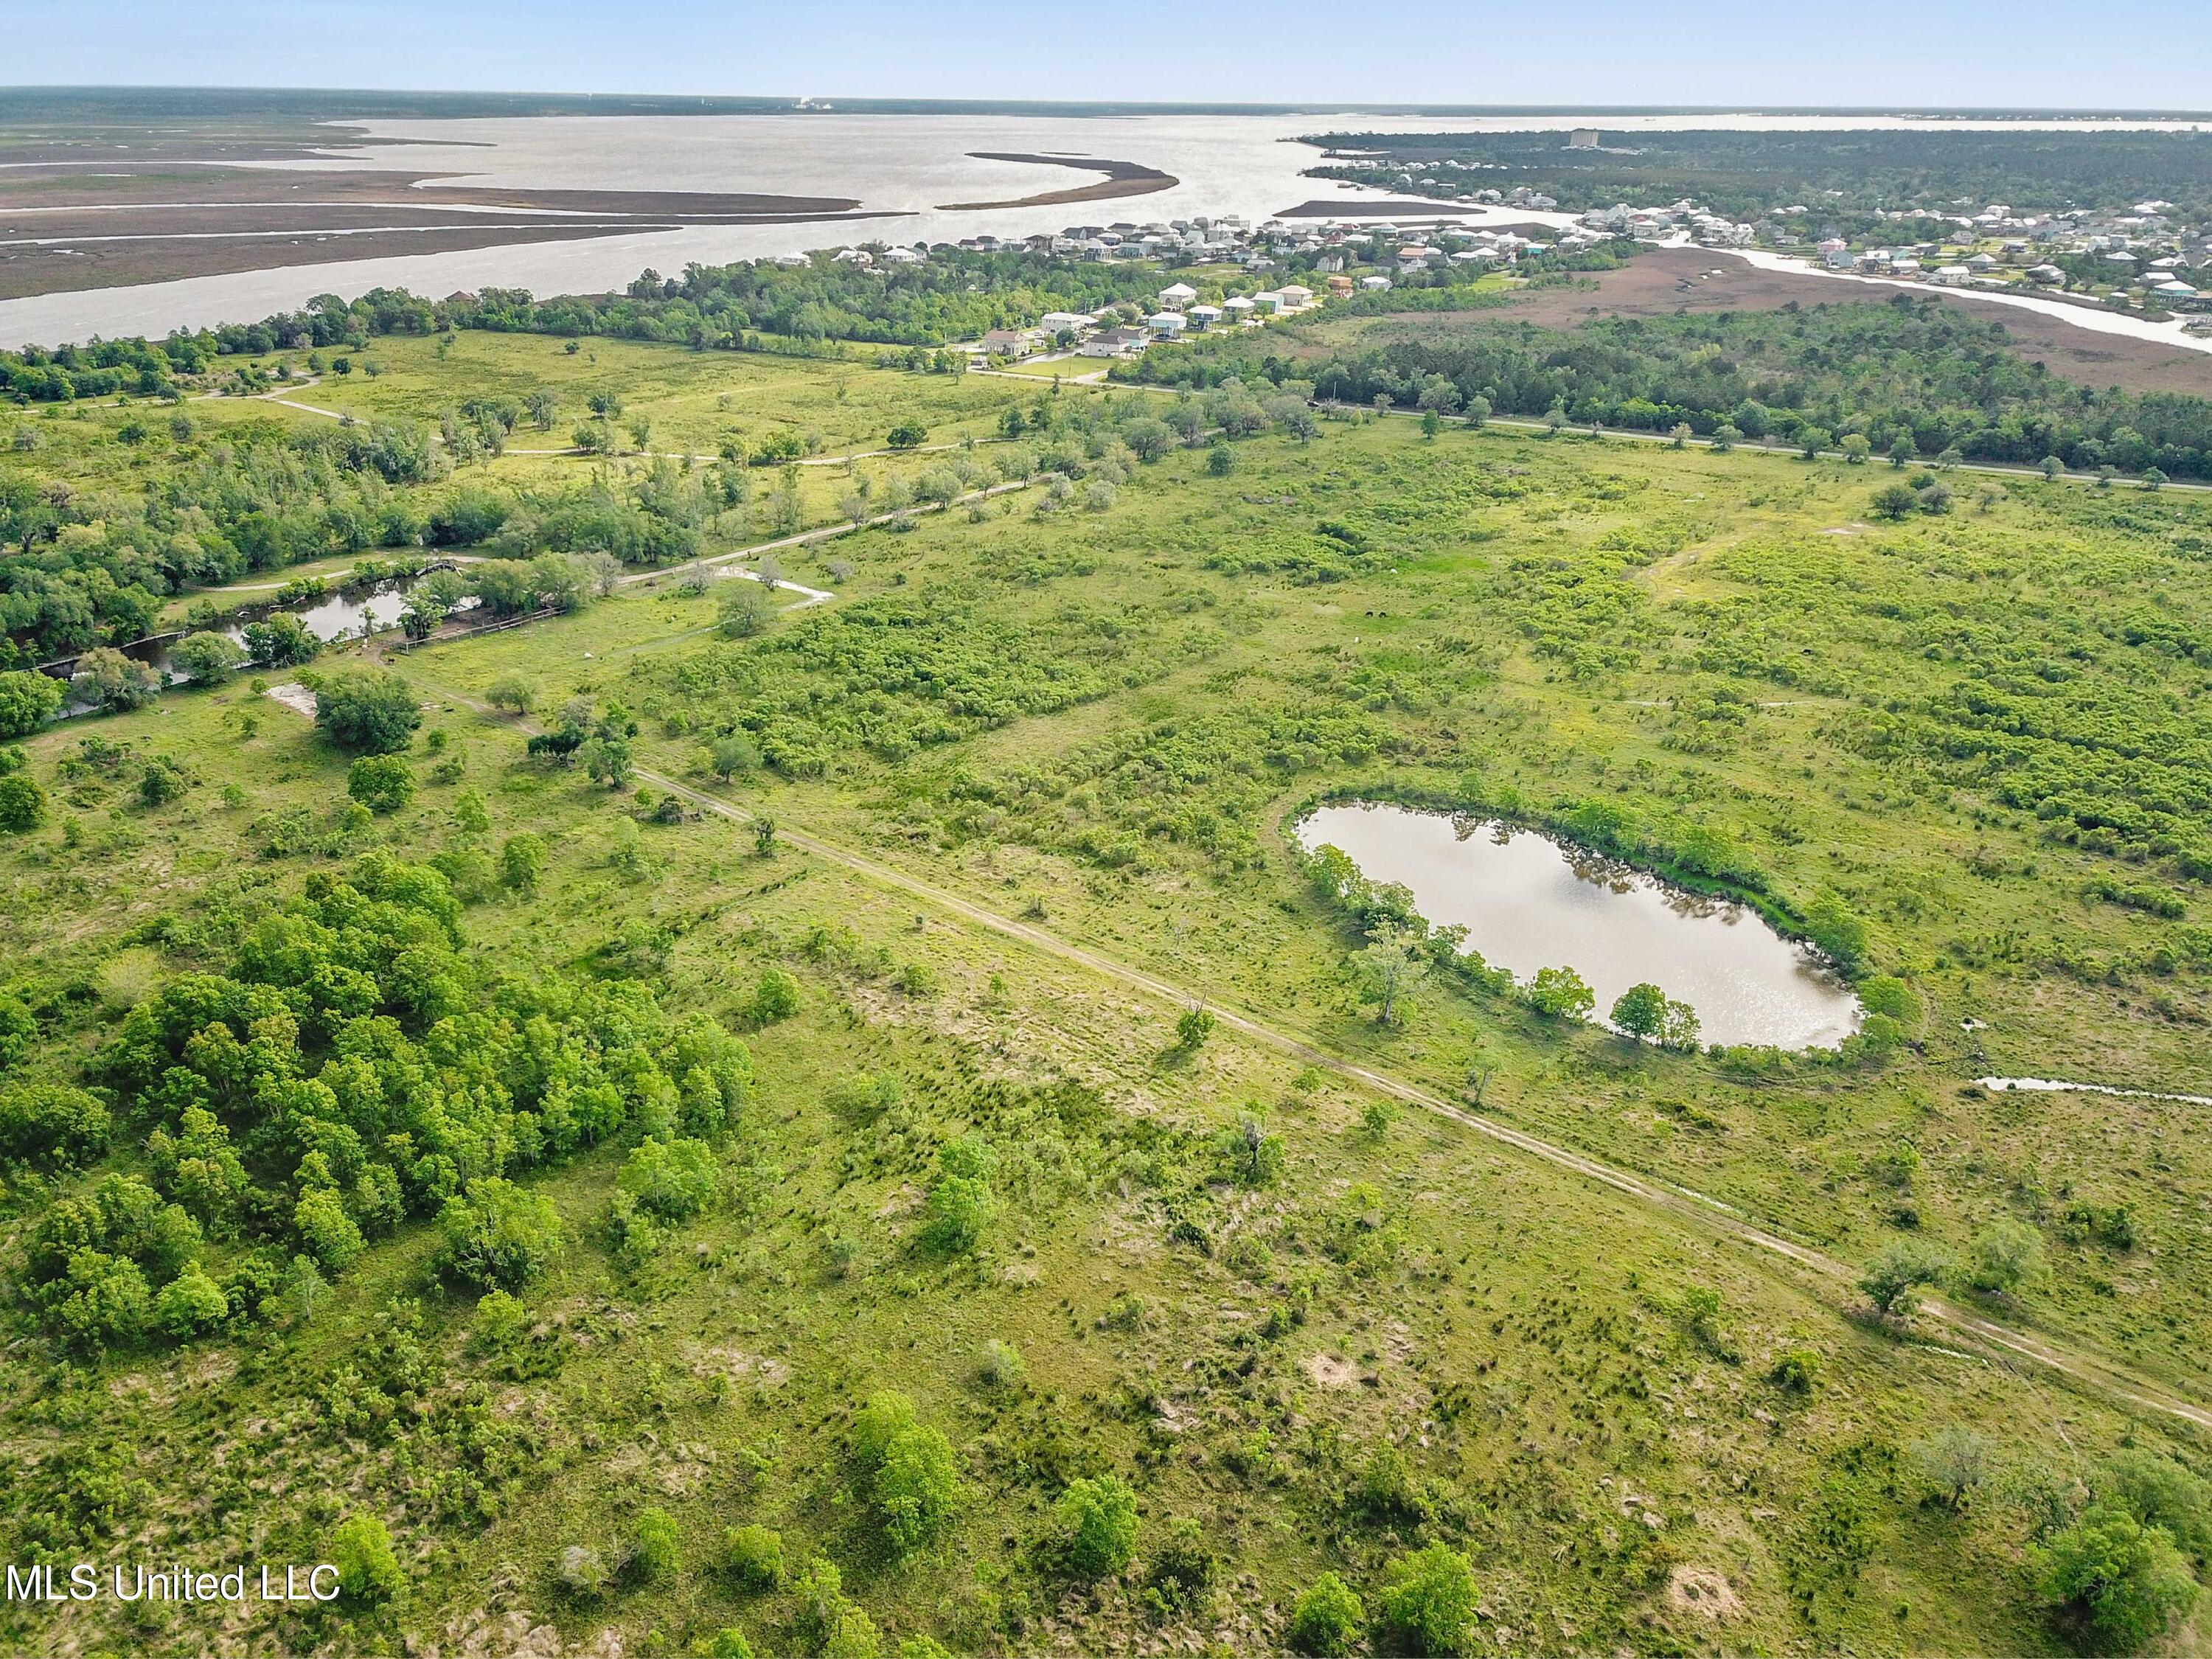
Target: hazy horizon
{"points": [[1958, 56]]}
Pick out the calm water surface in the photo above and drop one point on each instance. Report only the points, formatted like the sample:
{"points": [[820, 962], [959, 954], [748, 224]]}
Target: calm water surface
{"points": [[908, 165], [1528, 901]]}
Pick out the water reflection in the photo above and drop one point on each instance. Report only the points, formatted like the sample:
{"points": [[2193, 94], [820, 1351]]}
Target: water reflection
{"points": [[1528, 901]]}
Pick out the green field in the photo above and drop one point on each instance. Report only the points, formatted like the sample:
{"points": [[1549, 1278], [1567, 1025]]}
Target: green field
{"points": [[1030, 775]]}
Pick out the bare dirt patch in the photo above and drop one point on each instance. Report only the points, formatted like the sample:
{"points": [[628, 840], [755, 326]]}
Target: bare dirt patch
{"points": [[295, 696], [1702, 1590], [1331, 1372], [1666, 281]]}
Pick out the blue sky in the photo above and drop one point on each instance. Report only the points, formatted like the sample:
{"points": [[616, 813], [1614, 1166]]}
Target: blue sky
{"points": [[1952, 53]]}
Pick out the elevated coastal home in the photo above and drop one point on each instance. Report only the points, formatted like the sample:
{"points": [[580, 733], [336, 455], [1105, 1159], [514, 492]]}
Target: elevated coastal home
{"points": [[1114, 343]]}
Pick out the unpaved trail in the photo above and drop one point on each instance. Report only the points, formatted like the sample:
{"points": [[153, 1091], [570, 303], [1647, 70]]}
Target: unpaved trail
{"points": [[1710, 1216]]}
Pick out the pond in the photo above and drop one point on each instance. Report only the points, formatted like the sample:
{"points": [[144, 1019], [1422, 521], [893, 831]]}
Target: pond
{"points": [[349, 612], [1530, 902], [353, 611]]}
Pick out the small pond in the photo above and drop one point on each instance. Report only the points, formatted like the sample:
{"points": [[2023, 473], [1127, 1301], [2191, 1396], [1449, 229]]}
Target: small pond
{"points": [[353, 611], [1530, 902]]}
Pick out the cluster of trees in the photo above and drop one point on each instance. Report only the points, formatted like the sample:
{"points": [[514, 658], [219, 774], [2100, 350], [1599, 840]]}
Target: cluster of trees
{"points": [[79, 568], [349, 1070], [1850, 175], [952, 295], [100, 369], [1911, 376]]}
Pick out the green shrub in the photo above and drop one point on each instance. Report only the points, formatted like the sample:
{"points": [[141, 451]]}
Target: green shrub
{"points": [[206, 659], [27, 700], [161, 780], [325, 1230], [1097, 1521], [188, 1305], [1326, 1620], [496, 1235], [372, 711], [957, 1214], [382, 783], [2160, 1493], [102, 1301], [1182, 1567], [47, 1124], [1894, 1278], [672, 1180], [753, 1558], [19, 1031], [2006, 1256], [501, 1321], [521, 863], [1428, 1603], [1560, 994], [775, 997], [1796, 1371], [2125, 1580], [22, 803], [654, 1549], [917, 1487], [361, 1550]]}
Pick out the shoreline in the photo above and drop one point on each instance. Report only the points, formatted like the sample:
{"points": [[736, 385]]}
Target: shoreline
{"points": [[1123, 178]]}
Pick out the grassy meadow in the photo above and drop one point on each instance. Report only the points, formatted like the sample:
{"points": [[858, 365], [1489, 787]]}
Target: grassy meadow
{"points": [[1314, 1332]]}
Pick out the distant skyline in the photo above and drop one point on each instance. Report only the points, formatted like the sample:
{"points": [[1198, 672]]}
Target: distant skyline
{"points": [[1951, 54]]}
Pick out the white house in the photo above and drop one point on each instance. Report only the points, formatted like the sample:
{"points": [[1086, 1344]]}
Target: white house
{"points": [[1237, 308], [1295, 297], [1063, 322], [1205, 316], [1375, 284], [1113, 342], [1176, 295], [1270, 300], [1167, 323]]}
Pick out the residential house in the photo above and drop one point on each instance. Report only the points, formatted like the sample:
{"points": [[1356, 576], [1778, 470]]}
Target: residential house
{"points": [[1114, 343], [1010, 342], [1176, 295]]}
